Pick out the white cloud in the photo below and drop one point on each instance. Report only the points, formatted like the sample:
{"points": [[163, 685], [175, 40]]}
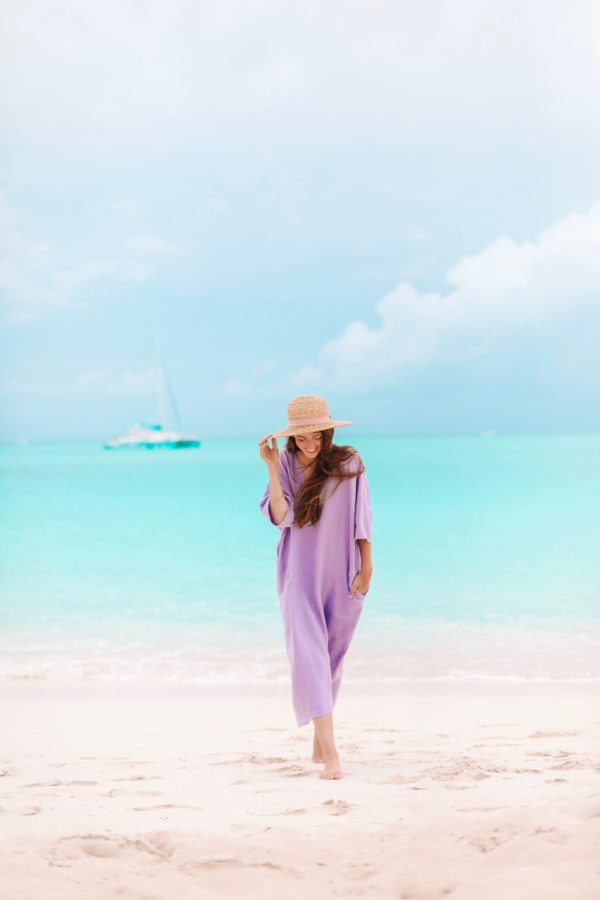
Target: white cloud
{"points": [[214, 68], [236, 387], [259, 382], [37, 278], [416, 234], [151, 244], [504, 287], [265, 368], [128, 208], [218, 204], [98, 383], [34, 279]]}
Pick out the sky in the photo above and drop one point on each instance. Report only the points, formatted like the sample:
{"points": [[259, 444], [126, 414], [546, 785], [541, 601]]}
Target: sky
{"points": [[394, 205]]}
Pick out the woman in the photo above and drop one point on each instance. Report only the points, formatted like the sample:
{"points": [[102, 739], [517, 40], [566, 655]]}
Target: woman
{"points": [[318, 497]]}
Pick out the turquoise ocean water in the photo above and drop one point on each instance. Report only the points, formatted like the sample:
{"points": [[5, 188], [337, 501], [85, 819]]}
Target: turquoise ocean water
{"points": [[157, 565]]}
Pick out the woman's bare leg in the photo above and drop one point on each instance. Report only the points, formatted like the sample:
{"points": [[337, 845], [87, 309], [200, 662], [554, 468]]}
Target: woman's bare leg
{"points": [[317, 756], [324, 742]]}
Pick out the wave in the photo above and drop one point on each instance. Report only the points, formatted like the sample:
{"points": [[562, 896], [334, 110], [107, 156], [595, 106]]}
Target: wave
{"points": [[393, 651]]}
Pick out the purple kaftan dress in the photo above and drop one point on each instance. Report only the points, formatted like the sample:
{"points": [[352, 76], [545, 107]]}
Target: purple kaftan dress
{"points": [[316, 565]]}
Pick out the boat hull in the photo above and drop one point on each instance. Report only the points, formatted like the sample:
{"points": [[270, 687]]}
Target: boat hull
{"points": [[180, 444]]}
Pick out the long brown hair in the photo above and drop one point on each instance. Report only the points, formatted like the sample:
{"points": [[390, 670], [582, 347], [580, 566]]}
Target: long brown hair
{"points": [[308, 503]]}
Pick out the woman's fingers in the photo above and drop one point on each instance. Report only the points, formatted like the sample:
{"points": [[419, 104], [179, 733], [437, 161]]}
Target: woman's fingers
{"points": [[270, 455], [263, 445], [358, 586]]}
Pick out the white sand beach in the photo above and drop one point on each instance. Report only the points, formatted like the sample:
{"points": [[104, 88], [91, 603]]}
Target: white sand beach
{"points": [[469, 791]]}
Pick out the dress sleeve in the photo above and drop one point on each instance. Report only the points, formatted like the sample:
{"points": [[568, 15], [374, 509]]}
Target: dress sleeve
{"points": [[362, 509], [288, 519]]}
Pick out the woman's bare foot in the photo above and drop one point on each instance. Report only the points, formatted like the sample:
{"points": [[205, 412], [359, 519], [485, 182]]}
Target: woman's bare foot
{"points": [[332, 768], [317, 756]]}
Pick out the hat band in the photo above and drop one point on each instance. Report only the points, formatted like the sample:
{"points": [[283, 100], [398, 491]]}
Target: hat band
{"points": [[320, 420]]}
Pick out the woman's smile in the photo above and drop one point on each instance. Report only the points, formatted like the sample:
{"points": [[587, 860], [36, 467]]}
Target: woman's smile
{"points": [[309, 446]]}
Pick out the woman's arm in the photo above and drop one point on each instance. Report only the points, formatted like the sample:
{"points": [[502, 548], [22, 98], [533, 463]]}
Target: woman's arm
{"points": [[277, 501], [270, 455], [366, 562], [363, 579]]}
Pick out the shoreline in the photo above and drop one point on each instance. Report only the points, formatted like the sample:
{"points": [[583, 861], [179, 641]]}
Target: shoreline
{"points": [[394, 651], [37, 689]]}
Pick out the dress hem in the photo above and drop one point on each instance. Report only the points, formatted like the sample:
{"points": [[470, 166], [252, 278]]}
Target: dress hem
{"points": [[311, 717]]}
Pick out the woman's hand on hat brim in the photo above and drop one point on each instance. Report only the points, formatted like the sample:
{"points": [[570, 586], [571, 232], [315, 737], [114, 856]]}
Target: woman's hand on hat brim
{"points": [[270, 454]]}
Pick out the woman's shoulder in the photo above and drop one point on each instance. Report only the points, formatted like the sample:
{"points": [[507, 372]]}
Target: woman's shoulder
{"points": [[352, 461]]}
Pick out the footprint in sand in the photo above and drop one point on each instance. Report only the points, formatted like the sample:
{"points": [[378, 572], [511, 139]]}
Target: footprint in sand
{"points": [[105, 846], [293, 771], [60, 783], [381, 730], [140, 778], [496, 743], [458, 787], [401, 779], [123, 792], [165, 806], [253, 758], [571, 764], [338, 807], [493, 839], [22, 810], [550, 833], [463, 767], [545, 734]]}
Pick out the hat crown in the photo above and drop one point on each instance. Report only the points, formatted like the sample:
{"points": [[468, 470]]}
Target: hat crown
{"points": [[306, 413], [307, 406]]}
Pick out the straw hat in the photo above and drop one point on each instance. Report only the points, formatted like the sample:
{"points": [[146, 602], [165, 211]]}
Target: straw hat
{"points": [[307, 413]]}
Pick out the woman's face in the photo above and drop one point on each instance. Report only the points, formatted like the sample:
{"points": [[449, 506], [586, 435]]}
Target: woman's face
{"points": [[309, 444]]}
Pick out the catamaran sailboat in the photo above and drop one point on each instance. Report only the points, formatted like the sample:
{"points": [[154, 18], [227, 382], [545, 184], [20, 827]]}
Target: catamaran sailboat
{"points": [[150, 436]]}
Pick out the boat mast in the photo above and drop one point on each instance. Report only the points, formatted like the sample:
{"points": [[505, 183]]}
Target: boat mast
{"points": [[164, 390], [176, 415], [161, 384]]}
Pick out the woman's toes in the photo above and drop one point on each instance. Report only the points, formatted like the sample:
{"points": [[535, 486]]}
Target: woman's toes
{"points": [[332, 769]]}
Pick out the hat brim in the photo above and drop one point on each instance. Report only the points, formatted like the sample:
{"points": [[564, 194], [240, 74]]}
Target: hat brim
{"points": [[308, 429]]}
